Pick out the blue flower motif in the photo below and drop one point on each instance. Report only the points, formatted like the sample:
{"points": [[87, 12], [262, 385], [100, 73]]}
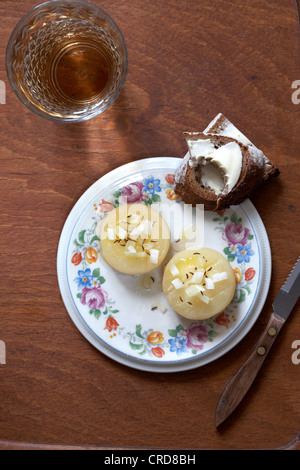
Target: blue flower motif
{"points": [[84, 279], [243, 253], [178, 345], [151, 185]]}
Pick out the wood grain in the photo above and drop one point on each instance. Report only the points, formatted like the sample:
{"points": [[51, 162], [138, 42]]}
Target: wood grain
{"points": [[188, 61], [238, 385]]}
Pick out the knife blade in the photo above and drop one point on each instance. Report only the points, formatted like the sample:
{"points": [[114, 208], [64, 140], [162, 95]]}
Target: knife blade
{"points": [[288, 294], [238, 385]]}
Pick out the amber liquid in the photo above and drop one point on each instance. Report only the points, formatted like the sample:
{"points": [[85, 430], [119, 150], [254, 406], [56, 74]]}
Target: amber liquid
{"points": [[69, 62], [80, 71]]}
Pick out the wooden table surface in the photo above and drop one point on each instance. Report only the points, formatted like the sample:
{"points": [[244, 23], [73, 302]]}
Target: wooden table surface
{"points": [[188, 61]]}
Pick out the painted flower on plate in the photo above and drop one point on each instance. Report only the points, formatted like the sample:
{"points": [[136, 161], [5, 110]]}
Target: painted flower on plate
{"points": [[178, 344], [94, 298], [158, 352], [133, 192], [243, 253], [91, 255], [196, 336], [170, 178], [238, 275], [155, 337], [235, 233], [151, 185], [76, 258], [223, 319], [84, 278], [249, 274], [111, 324], [106, 206], [170, 193]]}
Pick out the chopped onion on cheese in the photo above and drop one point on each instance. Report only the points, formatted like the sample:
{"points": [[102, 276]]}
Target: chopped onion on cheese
{"points": [[177, 283], [174, 270], [111, 234], [193, 289], [122, 234], [198, 276], [204, 298], [154, 256], [219, 276], [209, 283]]}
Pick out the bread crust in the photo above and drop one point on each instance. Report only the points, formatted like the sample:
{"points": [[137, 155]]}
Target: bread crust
{"points": [[256, 170]]}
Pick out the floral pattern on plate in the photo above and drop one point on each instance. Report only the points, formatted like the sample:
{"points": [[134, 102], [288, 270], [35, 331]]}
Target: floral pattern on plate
{"points": [[180, 339], [147, 191], [183, 338], [238, 250], [89, 283]]}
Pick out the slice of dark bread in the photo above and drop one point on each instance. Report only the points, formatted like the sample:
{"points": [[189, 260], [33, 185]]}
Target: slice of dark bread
{"points": [[220, 125], [256, 169]]}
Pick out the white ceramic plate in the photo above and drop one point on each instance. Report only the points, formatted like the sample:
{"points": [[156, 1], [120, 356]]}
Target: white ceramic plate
{"points": [[118, 316]]}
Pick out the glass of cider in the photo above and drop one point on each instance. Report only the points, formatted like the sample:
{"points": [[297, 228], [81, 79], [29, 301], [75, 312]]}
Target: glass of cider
{"points": [[67, 60]]}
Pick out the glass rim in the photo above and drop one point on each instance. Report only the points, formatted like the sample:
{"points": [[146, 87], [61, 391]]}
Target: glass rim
{"points": [[31, 107]]}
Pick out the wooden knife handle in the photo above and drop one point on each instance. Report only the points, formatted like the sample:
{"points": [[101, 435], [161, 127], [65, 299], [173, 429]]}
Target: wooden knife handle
{"points": [[238, 385]]}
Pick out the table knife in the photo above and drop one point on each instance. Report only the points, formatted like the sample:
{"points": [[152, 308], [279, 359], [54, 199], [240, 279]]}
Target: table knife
{"points": [[239, 384]]}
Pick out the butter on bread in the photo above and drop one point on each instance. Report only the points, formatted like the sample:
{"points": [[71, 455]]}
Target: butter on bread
{"points": [[255, 169]]}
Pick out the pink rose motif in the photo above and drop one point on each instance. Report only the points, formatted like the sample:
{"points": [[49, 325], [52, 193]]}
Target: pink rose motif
{"points": [[236, 234], [94, 297], [133, 192], [196, 336]]}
